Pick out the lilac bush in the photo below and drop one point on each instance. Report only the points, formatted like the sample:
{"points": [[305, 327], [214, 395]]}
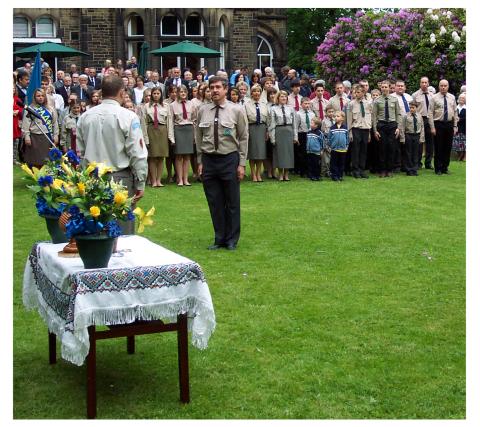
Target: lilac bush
{"points": [[407, 45]]}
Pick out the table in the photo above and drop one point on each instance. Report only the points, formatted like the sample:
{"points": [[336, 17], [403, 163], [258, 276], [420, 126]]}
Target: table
{"points": [[144, 286]]}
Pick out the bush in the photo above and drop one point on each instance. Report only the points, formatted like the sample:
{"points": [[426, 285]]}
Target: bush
{"points": [[407, 45]]}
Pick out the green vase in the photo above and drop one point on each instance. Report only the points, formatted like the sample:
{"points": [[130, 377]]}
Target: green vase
{"points": [[56, 233], [95, 249]]}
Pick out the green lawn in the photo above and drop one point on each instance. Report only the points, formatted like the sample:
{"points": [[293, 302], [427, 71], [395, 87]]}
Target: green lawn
{"points": [[343, 300]]}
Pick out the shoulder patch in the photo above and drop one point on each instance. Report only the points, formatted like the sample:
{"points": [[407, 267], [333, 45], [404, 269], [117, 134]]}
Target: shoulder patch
{"points": [[135, 125]]}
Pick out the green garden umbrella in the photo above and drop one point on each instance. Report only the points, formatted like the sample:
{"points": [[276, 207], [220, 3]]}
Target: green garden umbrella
{"points": [[143, 59], [55, 49], [186, 48]]}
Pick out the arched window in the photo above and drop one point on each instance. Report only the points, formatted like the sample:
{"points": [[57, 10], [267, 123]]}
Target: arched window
{"points": [[194, 26], [21, 27], [221, 44], [222, 29], [264, 52], [170, 26], [135, 26], [45, 27]]}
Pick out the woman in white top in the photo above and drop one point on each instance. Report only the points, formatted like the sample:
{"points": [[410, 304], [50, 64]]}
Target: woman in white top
{"points": [[138, 90]]}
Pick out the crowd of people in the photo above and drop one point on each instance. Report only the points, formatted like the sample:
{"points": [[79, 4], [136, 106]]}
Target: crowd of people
{"points": [[296, 124]]}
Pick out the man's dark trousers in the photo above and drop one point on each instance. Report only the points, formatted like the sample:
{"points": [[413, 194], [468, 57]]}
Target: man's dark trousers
{"points": [[428, 145], [412, 141], [359, 150], [443, 145], [386, 145], [222, 190]]}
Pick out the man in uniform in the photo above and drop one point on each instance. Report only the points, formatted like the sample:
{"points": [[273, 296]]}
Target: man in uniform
{"points": [[443, 118], [112, 134], [222, 140]]}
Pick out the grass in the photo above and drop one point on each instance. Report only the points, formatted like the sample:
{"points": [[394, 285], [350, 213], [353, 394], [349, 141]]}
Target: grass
{"points": [[343, 300]]}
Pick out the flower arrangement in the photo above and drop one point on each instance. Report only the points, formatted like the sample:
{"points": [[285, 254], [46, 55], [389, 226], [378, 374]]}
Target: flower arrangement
{"points": [[407, 44], [94, 201]]}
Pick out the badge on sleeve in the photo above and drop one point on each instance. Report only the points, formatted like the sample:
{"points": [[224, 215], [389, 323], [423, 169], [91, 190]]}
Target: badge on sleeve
{"points": [[135, 125]]}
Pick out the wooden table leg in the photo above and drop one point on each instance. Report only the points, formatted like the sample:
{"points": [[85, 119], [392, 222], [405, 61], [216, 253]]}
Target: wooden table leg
{"points": [[91, 375], [182, 339], [131, 344], [52, 348]]}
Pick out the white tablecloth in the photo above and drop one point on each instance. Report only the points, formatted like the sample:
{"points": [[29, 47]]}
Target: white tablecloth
{"points": [[143, 281]]}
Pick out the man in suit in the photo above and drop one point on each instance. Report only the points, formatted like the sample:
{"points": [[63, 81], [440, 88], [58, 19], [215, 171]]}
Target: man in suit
{"points": [[176, 80], [155, 82], [66, 88], [59, 82], [93, 81], [83, 90], [23, 80]]}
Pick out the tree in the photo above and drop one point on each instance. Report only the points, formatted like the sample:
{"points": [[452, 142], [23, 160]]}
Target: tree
{"points": [[306, 29]]}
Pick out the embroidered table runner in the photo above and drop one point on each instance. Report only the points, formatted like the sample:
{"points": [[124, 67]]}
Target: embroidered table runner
{"points": [[143, 281]]}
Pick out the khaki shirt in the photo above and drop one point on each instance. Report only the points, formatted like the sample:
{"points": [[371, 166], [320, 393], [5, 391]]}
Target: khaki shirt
{"points": [[394, 112], [435, 110], [408, 126], [29, 126], [276, 119], [316, 106], [232, 130], [291, 101], [354, 115], [251, 111], [419, 97], [112, 134], [334, 102], [408, 98], [164, 117], [302, 120], [69, 125], [176, 110], [326, 125]]}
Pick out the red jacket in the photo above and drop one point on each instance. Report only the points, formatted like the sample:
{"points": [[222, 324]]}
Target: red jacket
{"points": [[17, 132]]}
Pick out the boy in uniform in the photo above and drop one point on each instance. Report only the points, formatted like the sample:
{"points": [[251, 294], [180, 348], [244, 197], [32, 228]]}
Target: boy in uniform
{"points": [[412, 134]]}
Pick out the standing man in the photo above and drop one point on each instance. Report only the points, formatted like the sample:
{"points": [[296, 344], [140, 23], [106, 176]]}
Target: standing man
{"points": [[83, 91], [155, 82], [443, 118], [403, 101], [222, 140], [423, 97], [176, 79], [93, 81], [112, 134]]}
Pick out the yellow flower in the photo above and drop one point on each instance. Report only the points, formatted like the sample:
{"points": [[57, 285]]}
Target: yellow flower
{"points": [[95, 211], [57, 184], [91, 167], [66, 169], [144, 218], [103, 169], [120, 197], [27, 170], [81, 188]]}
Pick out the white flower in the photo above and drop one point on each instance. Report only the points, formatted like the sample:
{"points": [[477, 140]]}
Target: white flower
{"points": [[432, 36], [454, 34], [449, 14], [443, 30], [435, 17], [429, 11], [432, 40], [456, 39], [451, 47], [464, 29]]}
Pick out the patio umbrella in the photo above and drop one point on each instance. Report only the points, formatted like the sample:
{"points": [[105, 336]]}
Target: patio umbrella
{"points": [[186, 48], [55, 49], [143, 59]]}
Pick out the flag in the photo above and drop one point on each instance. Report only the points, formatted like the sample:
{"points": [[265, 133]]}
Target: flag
{"points": [[35, 78]]}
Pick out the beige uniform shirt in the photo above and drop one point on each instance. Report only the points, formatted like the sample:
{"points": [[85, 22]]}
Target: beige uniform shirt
{"points": [[69, 125], [401, 104], [251, 111], [164, 117], [176, 110], [334, 102], [232, 130], [394, 112], [276, 119], [29, 126], [291, 101], [316, 103], [435, 110], [408, 126], [112, 134], [302, 120], [354, 115], [419, 97]]}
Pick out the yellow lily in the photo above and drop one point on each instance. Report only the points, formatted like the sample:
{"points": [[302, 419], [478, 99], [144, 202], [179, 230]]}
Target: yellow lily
{"points": [[81, 188], [66, 169], [144, 218], [91, 167], [120, 197], [27, 170], [103, 169], [58, 183]]}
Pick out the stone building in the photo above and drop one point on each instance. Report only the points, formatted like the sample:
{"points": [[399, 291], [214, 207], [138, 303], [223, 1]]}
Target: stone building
{"points": [[255, 38]]}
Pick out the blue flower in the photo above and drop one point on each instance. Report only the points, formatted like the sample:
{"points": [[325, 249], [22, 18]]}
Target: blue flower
{"points": [[44, 210], [113, 229], [72, 157], [45, 181], [130, 216], [76, 225], [55, 154], [74, 210]]}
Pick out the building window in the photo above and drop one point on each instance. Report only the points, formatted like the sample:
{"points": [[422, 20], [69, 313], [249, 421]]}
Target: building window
{"points": [[194, 26], [133, 48], [21, 27], [221, 48], [135, 26], [170, 26], [222, 29], [45, 27], [264, 52]]}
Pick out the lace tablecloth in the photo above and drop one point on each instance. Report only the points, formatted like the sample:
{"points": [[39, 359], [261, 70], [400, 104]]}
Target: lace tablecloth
{"points": [[143, 281]]}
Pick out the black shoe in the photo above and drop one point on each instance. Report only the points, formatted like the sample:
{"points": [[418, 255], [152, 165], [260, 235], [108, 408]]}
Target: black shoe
{"points": [[364, 175], [428, 167], [446, 172], [356, 175], [214, 247], [231, 247], [438, 173]]}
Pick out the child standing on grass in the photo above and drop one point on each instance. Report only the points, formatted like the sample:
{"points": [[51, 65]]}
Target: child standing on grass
{"points": [[412, 135], [68, 134], [338, 139], [327, 123], [304, 120], [315, 143]]}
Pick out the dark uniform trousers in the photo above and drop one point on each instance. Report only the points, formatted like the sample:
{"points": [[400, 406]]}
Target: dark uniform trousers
{"points": [[359, 149], [372, 153], [300, 154], [386, 145], [222, 190], [443, 145], [428, 146], [410, 160]]}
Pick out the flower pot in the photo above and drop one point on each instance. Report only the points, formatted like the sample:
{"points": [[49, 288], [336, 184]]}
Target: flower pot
{"points": [[56, 233], [94, 249]]}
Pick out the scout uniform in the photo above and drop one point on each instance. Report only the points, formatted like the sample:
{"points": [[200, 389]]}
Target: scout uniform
{"points": [[423, 100], [184, 115], [319, 107], [157, 128], [325, 156], [359, 121], [412, 134], [283, 131], [304, 120], [443, 117], [386, 118], [68, 134], [257, 116], [338, 103]]}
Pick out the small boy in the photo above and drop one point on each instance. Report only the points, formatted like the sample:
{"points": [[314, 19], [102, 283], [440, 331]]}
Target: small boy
{"points": [[375, 94], [412, 134], [327, 123], [338, 139], [68, 134], [129, 106], [304, 121], [315, 144]]}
